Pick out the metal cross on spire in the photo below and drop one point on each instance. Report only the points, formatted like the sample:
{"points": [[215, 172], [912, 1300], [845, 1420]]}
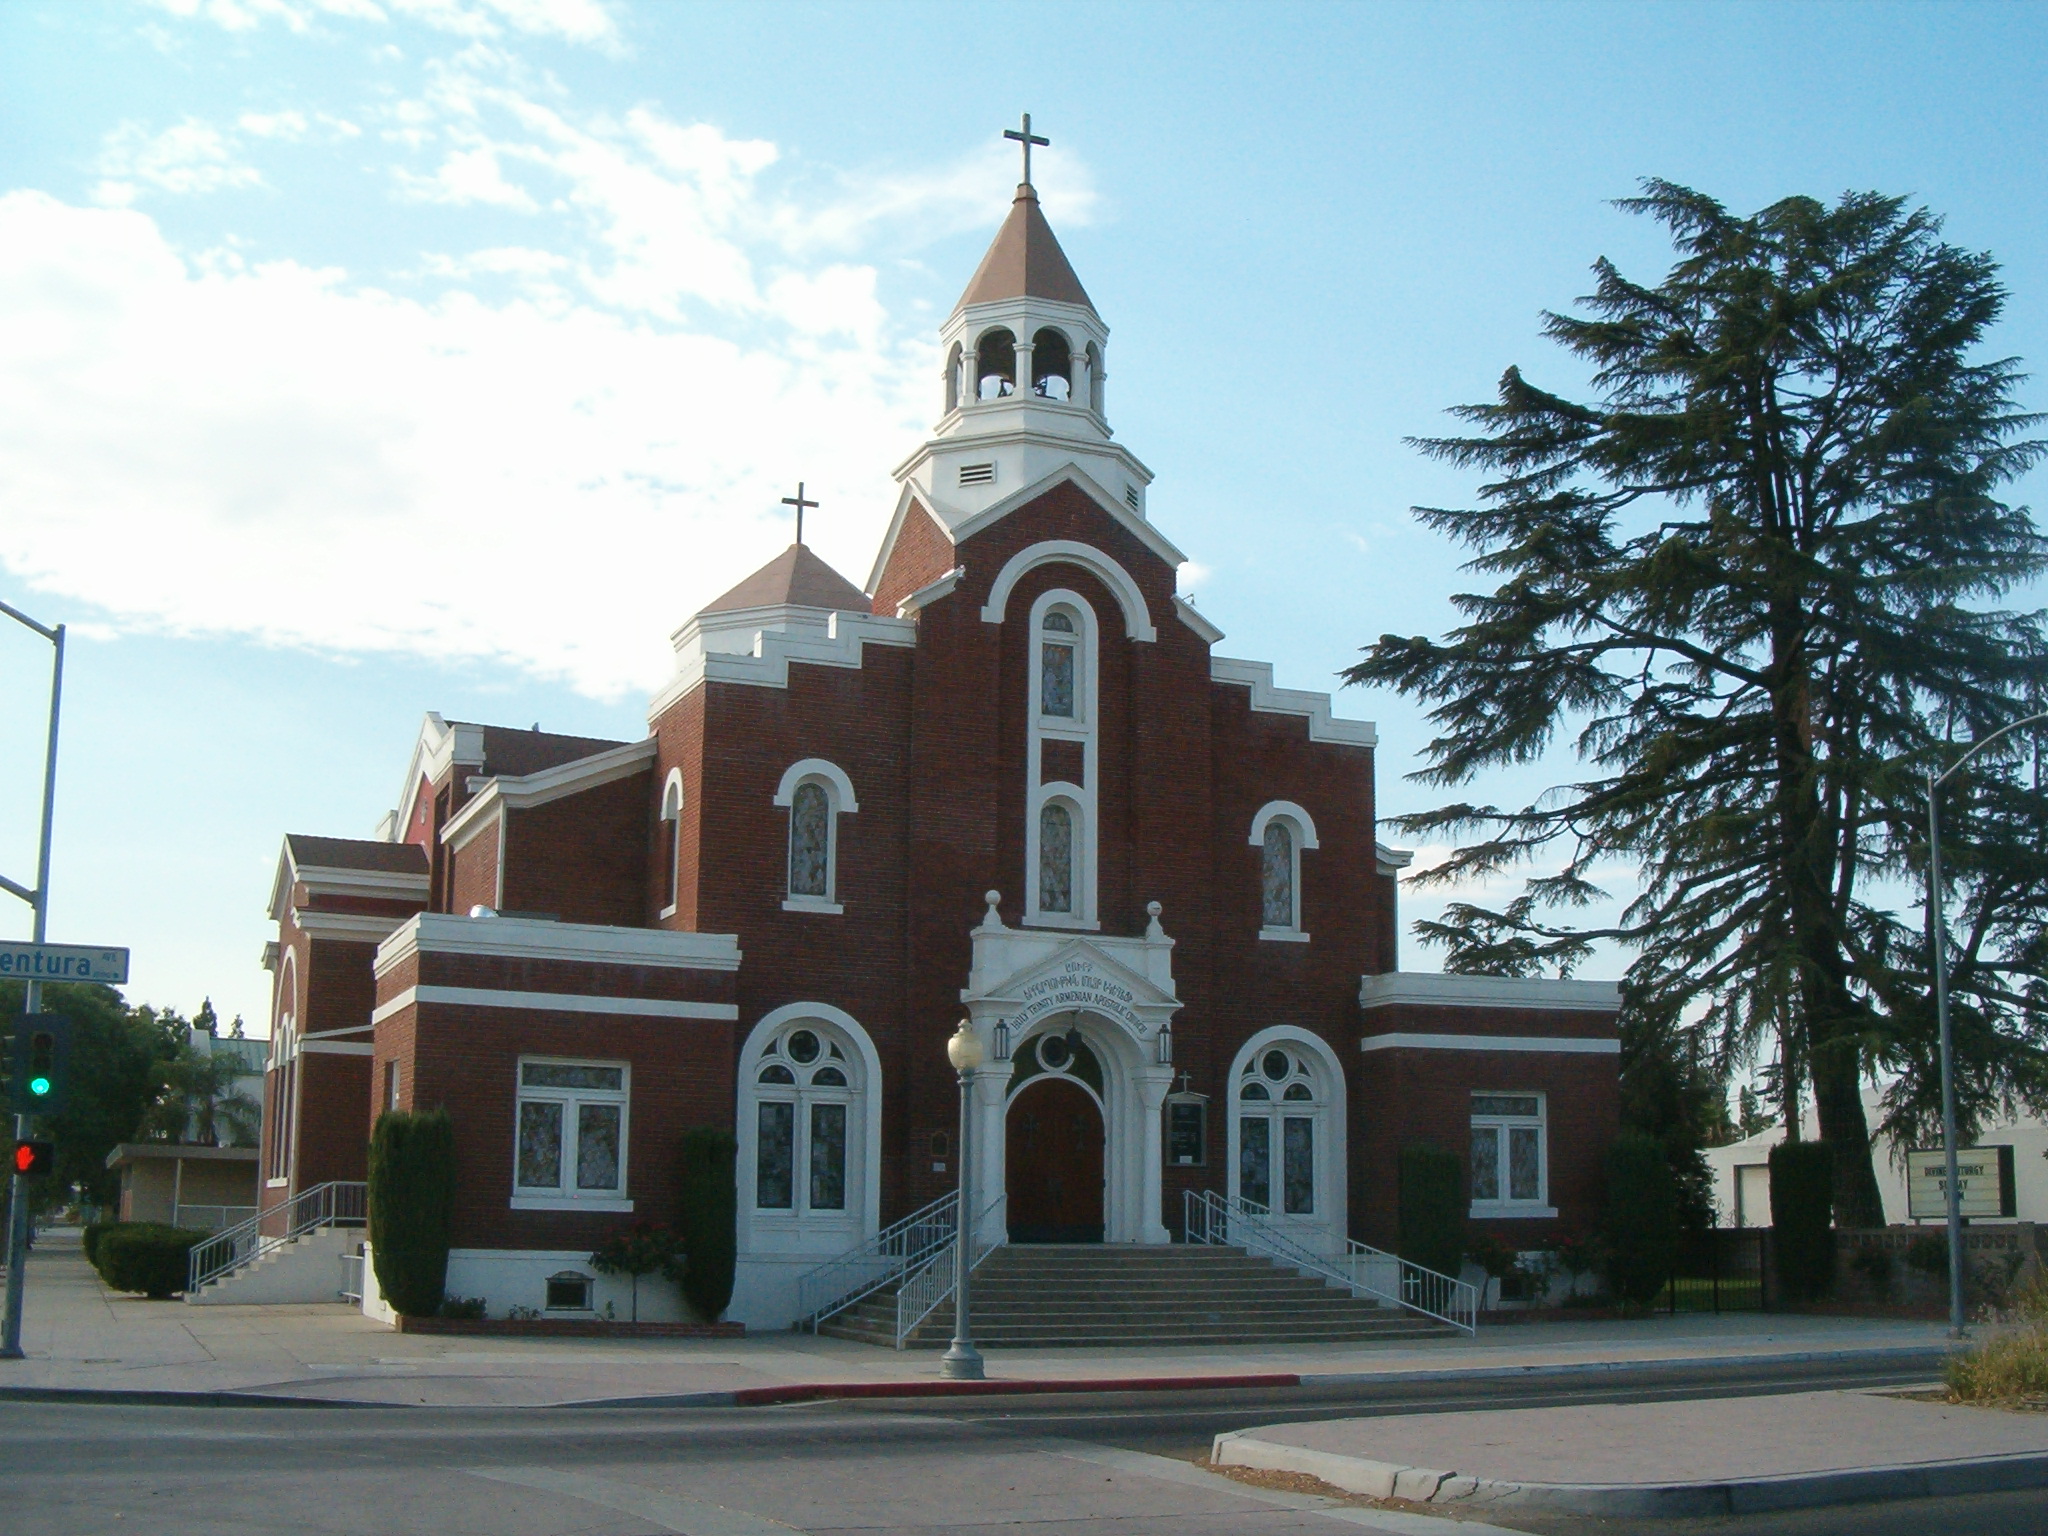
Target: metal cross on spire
{"points": [[1026, 138], [799, 503]]}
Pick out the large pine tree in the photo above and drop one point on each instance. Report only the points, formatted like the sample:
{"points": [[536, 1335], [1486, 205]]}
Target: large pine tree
{"points": [[1754, 580]]}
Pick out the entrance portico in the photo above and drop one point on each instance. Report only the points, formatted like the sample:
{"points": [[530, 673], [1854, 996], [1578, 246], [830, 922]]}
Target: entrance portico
{"points": [[1029, 985]]}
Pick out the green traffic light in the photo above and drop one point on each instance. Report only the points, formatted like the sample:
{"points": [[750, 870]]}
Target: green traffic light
{"points": [[39, 1086]]}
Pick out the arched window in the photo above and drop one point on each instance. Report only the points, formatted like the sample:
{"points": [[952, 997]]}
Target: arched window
{"points": [[1052, 365], [1059, 645], [671, 839], [1278, 1107], [1056, 858], [953, 378], [816, 793], [995, 365], [1281, 831], [281, 1121], [809, 1128]]}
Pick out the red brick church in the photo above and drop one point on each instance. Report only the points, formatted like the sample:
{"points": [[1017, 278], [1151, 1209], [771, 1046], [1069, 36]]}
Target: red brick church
{"points": [[1010, 779]]}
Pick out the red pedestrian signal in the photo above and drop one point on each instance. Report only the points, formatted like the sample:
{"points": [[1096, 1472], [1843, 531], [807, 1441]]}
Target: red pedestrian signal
{"points": [[33, 1158]]}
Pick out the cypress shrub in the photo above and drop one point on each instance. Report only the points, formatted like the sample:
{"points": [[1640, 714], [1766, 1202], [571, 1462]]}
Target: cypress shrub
{"points": [[146, 1257], [412, 1200], [1433, 1208], [1641, 1226], [1802, 1218], [710, 1212]]}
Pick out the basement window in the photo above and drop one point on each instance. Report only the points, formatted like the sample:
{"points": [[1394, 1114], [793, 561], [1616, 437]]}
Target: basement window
{"points": [[568, 1292]]}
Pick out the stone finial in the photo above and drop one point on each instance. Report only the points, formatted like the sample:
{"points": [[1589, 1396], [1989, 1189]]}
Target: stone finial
{"points": [[993, 921], [1152, 929]]}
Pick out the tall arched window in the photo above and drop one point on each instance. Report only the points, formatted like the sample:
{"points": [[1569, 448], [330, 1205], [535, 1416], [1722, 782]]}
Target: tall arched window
{"points": [[1278, 1106], [809, 1132], [1281, 831], [671, 839], [1058, 652], [1056, 858], [803, 1098], [816, 793]]}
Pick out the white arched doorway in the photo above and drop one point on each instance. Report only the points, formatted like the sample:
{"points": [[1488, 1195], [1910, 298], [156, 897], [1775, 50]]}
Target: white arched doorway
{"points": [[1286, 1146]]}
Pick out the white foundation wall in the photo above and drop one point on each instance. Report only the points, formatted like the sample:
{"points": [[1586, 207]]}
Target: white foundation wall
{"points": [[518, 1277], [764, 1289]]}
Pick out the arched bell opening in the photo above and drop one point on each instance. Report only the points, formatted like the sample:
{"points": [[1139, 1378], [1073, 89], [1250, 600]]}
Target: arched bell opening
{"points": [[995, 365], [1094, 378], [1052, 365], [953, 378]]}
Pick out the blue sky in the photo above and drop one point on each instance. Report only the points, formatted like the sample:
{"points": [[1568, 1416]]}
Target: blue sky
{"points": [[365, 357]]}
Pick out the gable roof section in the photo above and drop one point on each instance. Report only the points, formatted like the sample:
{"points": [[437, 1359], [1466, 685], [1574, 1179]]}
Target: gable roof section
{"points": [[1024, 261], [347, 866]]}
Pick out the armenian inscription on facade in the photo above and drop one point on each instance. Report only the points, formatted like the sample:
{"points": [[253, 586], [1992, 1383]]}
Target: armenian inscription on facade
{"points": [[1078, 984]]}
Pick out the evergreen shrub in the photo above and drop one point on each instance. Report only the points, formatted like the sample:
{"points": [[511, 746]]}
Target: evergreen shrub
{"points": [[89, 1239], [146, 1257], [708, 1219], [1802, 1218], [1433, 1208], [412, 1201], [1641, 1228]]}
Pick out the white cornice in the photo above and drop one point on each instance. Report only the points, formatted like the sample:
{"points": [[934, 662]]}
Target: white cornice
{"points": [[519, 793], [768, 664], [1189, 615], [1562, 1045], [931, 592], [322, 880], [531, 939], [554, 1002], [1424, 989], [351, 927], [439, 748], [1391, 861], [1314, 707], [1114, 505]]}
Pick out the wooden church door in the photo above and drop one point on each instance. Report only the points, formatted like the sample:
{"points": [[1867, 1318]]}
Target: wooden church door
{"points": [[1054, 1164]]}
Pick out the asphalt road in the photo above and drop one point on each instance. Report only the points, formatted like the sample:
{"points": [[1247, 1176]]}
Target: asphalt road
{"points": [[1047, 1466]]}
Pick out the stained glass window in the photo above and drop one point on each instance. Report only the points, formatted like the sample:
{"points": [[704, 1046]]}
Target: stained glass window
{"points": [[1056, 678], [828, 1157], [1485, 1162], [810, 835], [1055, 859], [775, 1158], [571, 1130], [1298, 1165], [1254, 1161], [1279, 875], [1525, 1163], [1507, 1149], [540, 1146], [597, 1146]]}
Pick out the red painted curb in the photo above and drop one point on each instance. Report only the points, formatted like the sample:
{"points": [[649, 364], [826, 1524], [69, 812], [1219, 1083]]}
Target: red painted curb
{"points": [[812, 1392]]}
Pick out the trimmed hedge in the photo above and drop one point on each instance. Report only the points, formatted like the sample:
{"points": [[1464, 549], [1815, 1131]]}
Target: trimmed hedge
{"points": [[1802, 1218], [412, 1204], [89, 1239], [1641, 1227], [709, 1219], [1433, 1208], [145, 1257]]}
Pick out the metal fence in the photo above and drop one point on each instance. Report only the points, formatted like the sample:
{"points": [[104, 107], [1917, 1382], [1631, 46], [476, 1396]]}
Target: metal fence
{"points": [[1718, 1271]]}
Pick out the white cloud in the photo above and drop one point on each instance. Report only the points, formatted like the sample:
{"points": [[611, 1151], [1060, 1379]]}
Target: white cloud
{"points": [[576, 21], [192, 156]]}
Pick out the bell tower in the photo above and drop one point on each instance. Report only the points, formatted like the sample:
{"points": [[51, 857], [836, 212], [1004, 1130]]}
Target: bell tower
{"points": [[1025, 377]]}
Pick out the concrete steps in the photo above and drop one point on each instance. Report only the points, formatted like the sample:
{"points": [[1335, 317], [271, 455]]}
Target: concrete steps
{"points": [[304, 1268], [1038, 1296]]}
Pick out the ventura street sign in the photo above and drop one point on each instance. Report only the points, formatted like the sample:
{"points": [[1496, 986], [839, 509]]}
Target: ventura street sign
{"points": [[1984, 1183], [62, 962]]}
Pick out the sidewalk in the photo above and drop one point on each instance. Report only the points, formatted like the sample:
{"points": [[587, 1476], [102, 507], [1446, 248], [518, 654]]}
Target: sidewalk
{"points": [[81, 1337], [1731, 1455]]}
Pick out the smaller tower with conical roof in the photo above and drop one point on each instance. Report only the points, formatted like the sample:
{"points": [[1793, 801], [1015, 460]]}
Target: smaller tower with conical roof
{"points": [[1024, 380]]}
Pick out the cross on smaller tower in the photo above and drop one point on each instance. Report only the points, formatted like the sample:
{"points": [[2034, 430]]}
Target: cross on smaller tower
{"points": [[1187, 1081], [799, 503], [1027, 138]]}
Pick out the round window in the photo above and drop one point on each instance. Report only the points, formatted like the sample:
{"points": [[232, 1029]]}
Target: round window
{"points": [[1275, 1063], [803, 1046], [1055, 1053]]}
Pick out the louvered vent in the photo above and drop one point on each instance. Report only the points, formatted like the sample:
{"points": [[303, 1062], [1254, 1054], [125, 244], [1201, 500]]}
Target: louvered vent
{"points": [[977, 474], [1131, 495]]}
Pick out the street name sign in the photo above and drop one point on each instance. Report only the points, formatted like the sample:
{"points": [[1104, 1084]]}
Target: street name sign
{"points": [[1984, 1181], [62, 962]]}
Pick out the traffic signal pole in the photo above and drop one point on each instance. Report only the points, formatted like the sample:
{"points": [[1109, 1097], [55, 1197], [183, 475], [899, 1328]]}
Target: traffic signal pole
{"points": [[39, 902]]}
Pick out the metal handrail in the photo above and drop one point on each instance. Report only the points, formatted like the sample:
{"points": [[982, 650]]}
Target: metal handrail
{"points": [[1364, 1270], [923, 1293], [836, 1284], [338, 1203]]}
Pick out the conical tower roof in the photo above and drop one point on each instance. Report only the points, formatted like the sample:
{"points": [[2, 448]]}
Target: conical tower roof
{"points": [[794, 578], [1025, 261]]}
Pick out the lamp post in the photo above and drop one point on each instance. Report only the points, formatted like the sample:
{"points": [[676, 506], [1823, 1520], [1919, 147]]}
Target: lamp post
{"points": [[39, 902], [1939, 937], [962, 1361]]}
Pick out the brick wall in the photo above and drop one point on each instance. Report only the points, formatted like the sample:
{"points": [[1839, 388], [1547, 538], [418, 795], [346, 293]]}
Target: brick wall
{"points": [[582, 858]]}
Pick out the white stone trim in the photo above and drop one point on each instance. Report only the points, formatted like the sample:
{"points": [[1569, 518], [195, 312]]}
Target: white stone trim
{"points": [[1269, 700], [817, 904], [484, 813], [554, 1002], [1304, 824], [334, 1048], [1391, 861], [1430, 989], [1119, 509], [844, 636], [1567, 1045], [350, 927], [817, 768], [532, 939], [1083, 727], [436, 751], [604, 1205], [819, 1236], [1327, 1229], [1122, 585], [1191, 616], [670, 817], [930, 593], [519, 793], [324, 880]]}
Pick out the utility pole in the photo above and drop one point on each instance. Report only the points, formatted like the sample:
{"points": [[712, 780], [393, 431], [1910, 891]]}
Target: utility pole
{"points": [[39, 902]]}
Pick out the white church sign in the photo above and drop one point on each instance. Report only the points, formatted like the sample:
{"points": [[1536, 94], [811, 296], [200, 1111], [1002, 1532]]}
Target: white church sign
{"points": [[1984, 1181], [1078, 985]]}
